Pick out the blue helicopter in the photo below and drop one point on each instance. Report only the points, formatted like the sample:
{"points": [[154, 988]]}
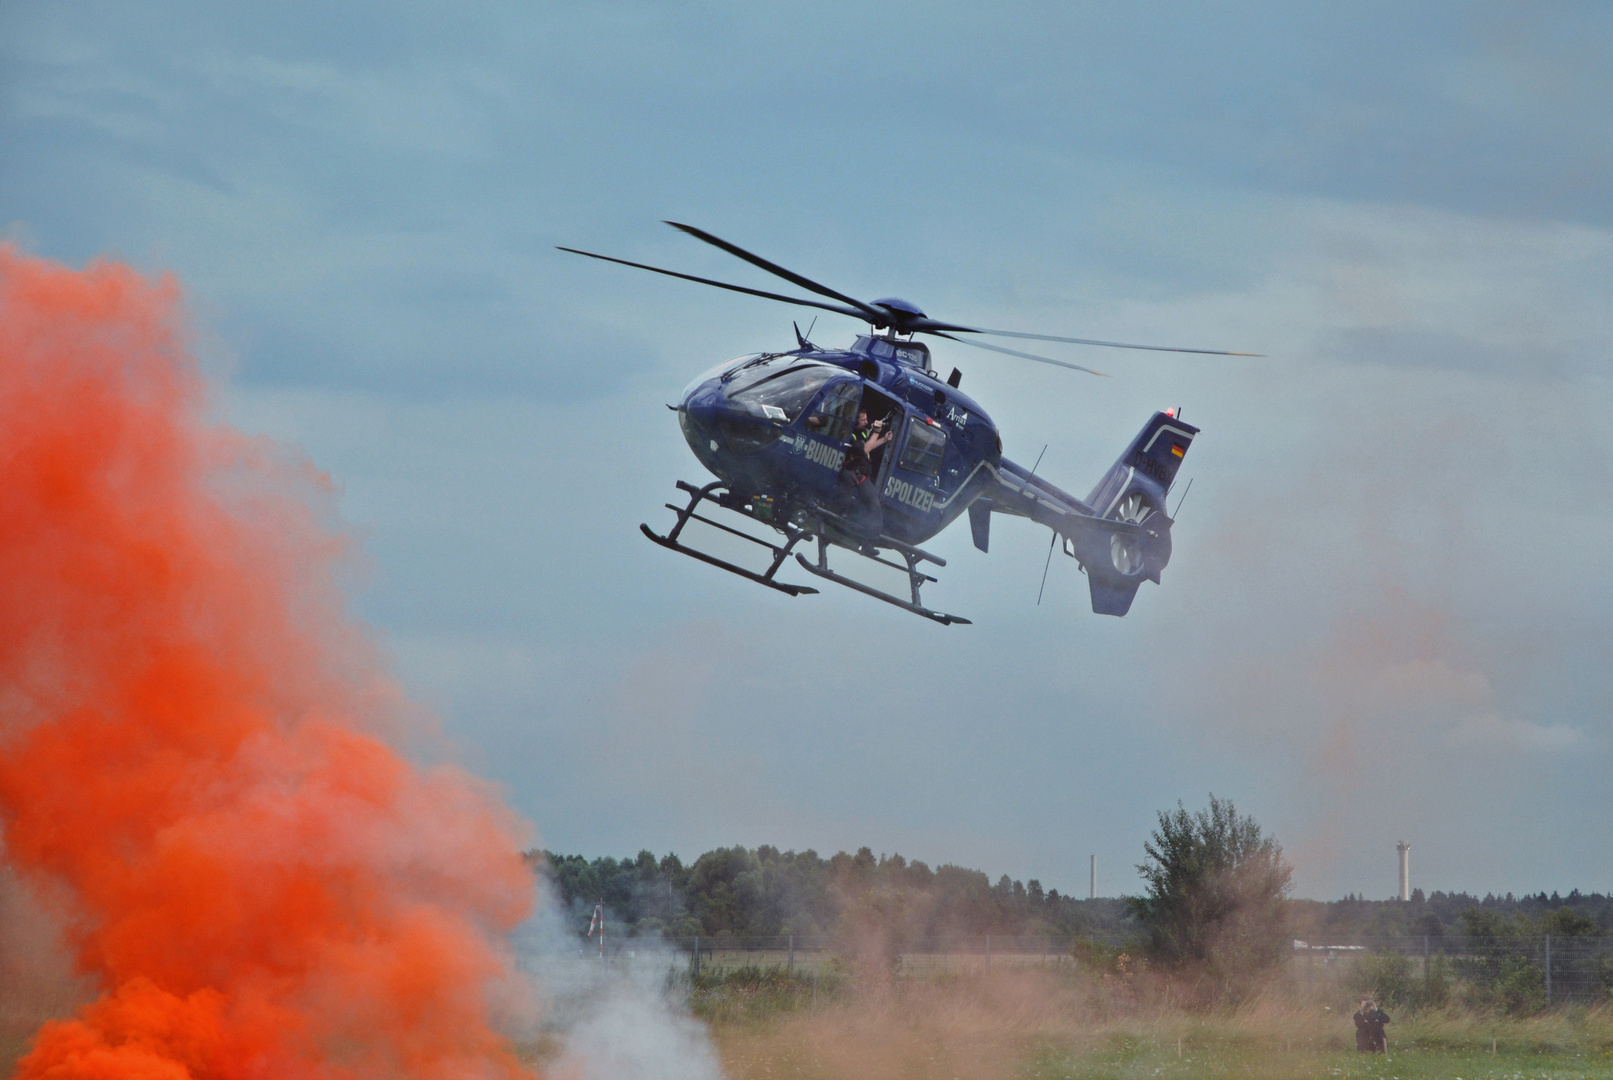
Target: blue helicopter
{"points": [[866, 449]]}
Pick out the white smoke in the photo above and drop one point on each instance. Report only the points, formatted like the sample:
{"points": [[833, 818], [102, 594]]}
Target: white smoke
{"points": [[622, 1019]]}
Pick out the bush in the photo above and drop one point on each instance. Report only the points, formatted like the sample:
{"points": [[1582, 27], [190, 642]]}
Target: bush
{"points": [[1384, 977], [1215, 899], [1097, 957], [1522, 985], [755, 993], [1396, 980], [1511, 977], [1437, 982]]}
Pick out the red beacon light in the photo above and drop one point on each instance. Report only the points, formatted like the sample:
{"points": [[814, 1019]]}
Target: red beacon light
{"points": [[1174, 412]]}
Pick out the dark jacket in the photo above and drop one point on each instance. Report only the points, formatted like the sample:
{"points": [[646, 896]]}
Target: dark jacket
{"points": [[1369, 1033], [858, 466]]}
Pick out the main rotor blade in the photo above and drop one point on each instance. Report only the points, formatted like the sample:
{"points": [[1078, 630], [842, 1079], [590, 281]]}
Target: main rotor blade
{"points": [[869, 312], [1013, 352], [853, 312], [1107, 344]]}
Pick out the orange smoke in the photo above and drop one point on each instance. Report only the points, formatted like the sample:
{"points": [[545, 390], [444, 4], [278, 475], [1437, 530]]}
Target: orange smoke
{"points": [[193, 757]]}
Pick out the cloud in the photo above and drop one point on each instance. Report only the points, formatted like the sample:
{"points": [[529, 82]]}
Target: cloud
{"points": [[1387, 577], [1491, 730]]}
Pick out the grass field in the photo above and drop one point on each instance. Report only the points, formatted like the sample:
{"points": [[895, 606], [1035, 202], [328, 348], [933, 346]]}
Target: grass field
{"points": [[1030, 1026], [820, 1051]]}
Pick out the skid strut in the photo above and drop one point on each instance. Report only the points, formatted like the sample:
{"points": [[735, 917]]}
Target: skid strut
{"points": [[687, 513], [915, 577], [819, 520]]}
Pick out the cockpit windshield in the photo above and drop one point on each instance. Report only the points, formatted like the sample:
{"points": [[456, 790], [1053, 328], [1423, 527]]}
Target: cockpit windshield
{"points": [[756, 369], [773, 391], [727, 366]]}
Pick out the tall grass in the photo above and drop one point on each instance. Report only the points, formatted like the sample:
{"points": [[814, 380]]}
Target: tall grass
{"points": [[1076, 1024], [752, 994]]}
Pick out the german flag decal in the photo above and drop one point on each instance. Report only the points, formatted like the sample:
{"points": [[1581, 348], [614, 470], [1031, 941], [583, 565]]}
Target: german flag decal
{"points": [[1178, 449]]}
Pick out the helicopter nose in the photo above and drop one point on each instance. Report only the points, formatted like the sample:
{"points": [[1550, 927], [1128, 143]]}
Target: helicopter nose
{"points": [[698, 416]]}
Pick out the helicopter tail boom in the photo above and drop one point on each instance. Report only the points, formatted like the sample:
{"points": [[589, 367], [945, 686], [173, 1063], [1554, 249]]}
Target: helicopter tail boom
{"points": [[1120, 533]]}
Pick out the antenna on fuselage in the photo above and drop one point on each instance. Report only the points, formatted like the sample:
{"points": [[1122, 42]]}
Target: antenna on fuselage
{"points": [[1045, 565], [1038, 461], [1183, 499], [1051, 542]]}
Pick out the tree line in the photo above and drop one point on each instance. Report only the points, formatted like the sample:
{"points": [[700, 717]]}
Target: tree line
{"points": [[1214, 906], [764, 892], [1439, 915]]}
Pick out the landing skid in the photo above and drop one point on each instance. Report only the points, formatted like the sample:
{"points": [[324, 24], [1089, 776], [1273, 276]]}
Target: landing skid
{"points": [[687, 513], [911, 556], [915, 577]]}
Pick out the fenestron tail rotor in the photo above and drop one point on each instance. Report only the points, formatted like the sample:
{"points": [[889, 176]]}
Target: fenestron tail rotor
{"points": [[899, 317]]}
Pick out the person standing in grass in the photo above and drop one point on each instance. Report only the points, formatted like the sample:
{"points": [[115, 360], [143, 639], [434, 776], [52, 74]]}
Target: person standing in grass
{"points": [[1370, 1038]]}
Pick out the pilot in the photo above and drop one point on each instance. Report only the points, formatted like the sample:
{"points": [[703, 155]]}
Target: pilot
{"points": [[857, 472]]}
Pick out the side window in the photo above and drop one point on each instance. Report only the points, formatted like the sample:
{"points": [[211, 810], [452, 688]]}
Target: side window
{"points": [[836, 411], [924, 448]]}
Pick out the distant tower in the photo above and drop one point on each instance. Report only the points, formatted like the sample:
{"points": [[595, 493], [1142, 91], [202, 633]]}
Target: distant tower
{"points": [[1405, 869], [1092, 886]]}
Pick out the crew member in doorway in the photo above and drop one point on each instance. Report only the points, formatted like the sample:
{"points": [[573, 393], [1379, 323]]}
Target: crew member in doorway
{"points": [[1370, 1037], [857, 472]]}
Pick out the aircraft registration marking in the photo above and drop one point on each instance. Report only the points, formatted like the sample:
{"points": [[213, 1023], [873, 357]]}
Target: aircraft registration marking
{"points": [[1145, 464]]}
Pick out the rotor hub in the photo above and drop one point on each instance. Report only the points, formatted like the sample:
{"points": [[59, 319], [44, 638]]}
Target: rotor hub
{"points": [[902, 312]]}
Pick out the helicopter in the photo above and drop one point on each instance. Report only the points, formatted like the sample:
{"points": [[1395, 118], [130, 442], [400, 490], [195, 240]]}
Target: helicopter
{"points": [[867, 450]]}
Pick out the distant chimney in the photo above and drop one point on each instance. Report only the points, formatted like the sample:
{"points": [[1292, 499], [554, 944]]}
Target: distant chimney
{"points": [[1092, 886], [1405, 869]]}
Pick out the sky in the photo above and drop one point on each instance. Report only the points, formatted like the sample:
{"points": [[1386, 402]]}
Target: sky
{"points": [[1388, 612]]}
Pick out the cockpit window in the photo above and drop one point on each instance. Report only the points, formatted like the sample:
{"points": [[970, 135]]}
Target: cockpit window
{"points": [[924, 449], [835, 411], [776, 395]]}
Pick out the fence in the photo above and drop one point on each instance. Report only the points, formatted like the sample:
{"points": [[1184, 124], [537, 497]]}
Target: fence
{"points": [[812, 954], [1557, 969], [1554, 969]]}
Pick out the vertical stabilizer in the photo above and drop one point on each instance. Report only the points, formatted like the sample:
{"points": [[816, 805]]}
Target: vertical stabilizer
{"points": [[1147, 468]]}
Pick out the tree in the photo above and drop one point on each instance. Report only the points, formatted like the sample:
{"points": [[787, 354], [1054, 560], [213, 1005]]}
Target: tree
{"points": [[1569, 922], [1217, 887]]}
